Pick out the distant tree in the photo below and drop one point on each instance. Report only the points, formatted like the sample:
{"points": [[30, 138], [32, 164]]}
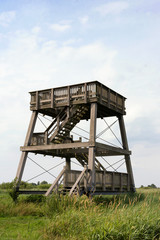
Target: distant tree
{"points": [[152, 186], [44, 182], [141, 186], [34, 184], [6, 185]]}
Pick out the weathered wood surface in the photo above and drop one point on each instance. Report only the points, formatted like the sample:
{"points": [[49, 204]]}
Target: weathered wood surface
{"points": [[27, 142], [71, 149], [105, 180], [78, 94], [68, 106], [56, 183]]}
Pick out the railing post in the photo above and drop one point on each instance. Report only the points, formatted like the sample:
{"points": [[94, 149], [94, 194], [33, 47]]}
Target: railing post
{"points": [[85, 92], [104, 180], [108, 98], [100, 93], [113, 181], [121, 183], [52, 98], [86, 179], [37, 100], [68, 96], [46, 138]]}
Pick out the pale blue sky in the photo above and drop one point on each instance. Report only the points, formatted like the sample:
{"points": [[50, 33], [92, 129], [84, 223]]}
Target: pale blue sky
{"points": [[48, 43]]}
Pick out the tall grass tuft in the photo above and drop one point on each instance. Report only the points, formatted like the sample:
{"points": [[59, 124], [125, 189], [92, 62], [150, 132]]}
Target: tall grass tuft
{"points": [[60, 203], [123, 217]]}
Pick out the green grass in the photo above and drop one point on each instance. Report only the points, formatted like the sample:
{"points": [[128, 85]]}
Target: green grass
{"points": [[135, 216], [22, 227]]}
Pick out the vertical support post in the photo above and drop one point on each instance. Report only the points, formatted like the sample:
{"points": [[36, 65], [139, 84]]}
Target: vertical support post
{"points": [[37, 100], [85, 92], [113, 181], [46, 138], [68, 163], [68, 99], [125, 146], [116, 101], [100, 93], [52, 98], [104, 180], [26, 143], [108, 97], [86, 179], [91, 157], [121, 183]]}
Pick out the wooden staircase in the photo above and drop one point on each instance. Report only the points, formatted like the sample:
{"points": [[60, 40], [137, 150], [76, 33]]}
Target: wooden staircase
{"points": [[59, 130], [83, 160]]}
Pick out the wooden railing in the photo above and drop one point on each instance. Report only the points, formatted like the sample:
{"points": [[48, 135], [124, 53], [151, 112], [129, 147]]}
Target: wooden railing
{"points": [[77, 180], [38, 139], [77, 94], [105, 181]]}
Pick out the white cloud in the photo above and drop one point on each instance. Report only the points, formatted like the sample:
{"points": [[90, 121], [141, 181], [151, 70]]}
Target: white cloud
{"points": [[27, 65], [84, 20], [36, 30], [58, 27], [7, 17], [112, 8]]}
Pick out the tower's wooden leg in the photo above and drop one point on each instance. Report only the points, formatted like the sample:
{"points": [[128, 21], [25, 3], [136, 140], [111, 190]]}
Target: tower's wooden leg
{"points": [[26, 143], [68, 163], [127, 157], [91, 154]]}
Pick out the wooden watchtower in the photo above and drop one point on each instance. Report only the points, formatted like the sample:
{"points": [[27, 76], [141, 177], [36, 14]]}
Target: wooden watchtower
{"points": [[67, 106]]}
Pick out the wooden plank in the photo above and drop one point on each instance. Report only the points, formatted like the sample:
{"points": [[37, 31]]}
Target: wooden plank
{"points": [[68, 97], [113, 149], [31, 191], [77, 181], [109, 98], [113, 181], [37, 101], [52, 98], [121, 184], [55, 182], [85, 96], [55, 146], [104, 181], [100, 93]]}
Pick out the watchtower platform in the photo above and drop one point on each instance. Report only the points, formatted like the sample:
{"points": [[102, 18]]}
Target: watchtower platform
{"points": [[67, 106]]}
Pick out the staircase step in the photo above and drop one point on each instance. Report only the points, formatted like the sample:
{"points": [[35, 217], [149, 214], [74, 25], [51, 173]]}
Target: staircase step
{"points": [[77, 113]]}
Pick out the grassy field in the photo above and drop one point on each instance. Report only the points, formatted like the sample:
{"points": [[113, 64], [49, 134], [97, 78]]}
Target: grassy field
{"points": [[134, 216]]}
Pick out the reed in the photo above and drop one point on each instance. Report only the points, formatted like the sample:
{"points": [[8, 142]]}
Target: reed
{"points": [[135, 216]]}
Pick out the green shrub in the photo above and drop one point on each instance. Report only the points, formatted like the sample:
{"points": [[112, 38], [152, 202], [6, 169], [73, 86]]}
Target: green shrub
{"points": [[14, 194], [35, 198]]}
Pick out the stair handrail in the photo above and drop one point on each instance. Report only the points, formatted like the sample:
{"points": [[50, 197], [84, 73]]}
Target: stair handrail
{"points": [[79, 179], [56, 183], [53, 125]]}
